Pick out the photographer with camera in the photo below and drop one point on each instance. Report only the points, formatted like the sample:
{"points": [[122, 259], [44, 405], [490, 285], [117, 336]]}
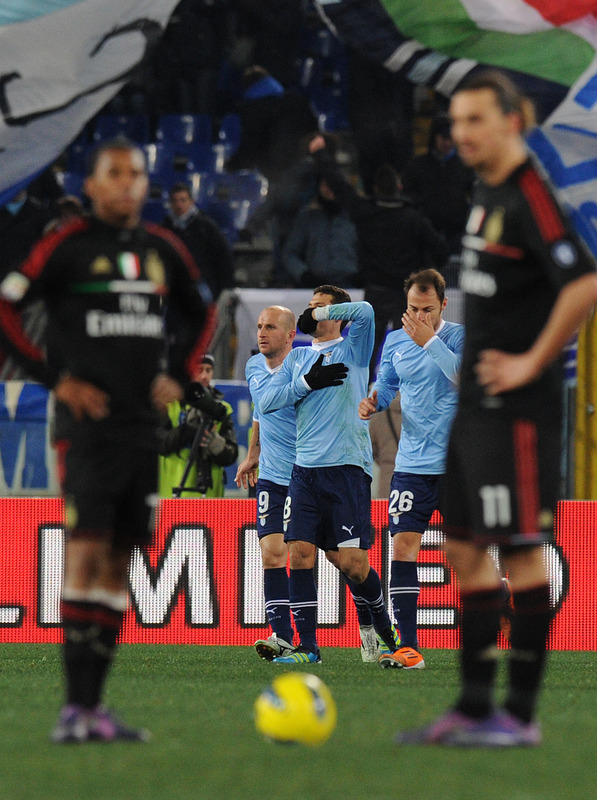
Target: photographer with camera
{"points": [[197, 439]]}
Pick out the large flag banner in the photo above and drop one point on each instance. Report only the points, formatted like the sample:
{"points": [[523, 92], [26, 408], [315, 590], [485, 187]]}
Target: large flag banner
{"points": [[548, 47], [60, 62]]}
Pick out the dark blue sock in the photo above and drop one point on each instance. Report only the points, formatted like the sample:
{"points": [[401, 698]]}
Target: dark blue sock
{"points": [[370, 591], [277, 605], [363, 612], [303, 604], [404, 591]]}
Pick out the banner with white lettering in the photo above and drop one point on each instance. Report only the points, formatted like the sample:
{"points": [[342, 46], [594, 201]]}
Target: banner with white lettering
{"points": [[60, 62], [202, 581]]}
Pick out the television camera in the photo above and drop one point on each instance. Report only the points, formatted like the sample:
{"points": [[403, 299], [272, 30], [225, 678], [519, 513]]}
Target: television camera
{"points": [[211, 411]]}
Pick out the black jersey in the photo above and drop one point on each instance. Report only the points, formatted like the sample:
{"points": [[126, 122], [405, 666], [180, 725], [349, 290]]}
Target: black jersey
{"points": [[105, 291], [519, 250]]}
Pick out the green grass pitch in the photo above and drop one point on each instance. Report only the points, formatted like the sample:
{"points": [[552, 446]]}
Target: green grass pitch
{"points": [[198, 703]]}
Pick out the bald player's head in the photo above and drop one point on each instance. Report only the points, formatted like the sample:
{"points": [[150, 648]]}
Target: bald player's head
{"points": [[276, 329], [285, 315]]}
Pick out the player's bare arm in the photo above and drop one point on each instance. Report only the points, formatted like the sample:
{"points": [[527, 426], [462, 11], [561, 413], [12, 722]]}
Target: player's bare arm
{"points": [[368, 406], [164, 390], [502, 372], [83, 398], [246, 474]]}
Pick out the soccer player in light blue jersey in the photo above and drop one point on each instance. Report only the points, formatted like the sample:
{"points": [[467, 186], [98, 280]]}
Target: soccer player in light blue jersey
{"points": [[329, 496], [268, 467], [421, 361]]}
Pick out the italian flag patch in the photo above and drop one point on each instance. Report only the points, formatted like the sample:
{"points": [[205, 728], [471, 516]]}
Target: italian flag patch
{"points": [[129, 265]]}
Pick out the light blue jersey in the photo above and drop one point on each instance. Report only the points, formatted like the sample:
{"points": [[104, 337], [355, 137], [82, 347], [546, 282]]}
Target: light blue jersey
{"points": [[426, 378], [277, 431], [329, 431]]}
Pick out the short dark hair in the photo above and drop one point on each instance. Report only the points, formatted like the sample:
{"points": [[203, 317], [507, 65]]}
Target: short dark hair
{"points": [[339, 295], [508, 96], [69, 204], [253, 75], [440, 126], [385, 181], [118, 143], [179, 186], [427, 279]]}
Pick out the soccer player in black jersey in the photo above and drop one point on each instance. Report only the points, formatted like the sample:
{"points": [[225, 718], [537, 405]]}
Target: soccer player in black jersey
{"points": [[105, 281], [529, 284]]}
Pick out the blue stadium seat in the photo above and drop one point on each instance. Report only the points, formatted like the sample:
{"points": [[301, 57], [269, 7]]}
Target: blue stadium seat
{"points": [[133, 126], [185, 128], [160, 158], [154, 210], [309, 71], [226, 216], [229, 198], [229, 133], [72, 183], [333, 121], [160, 168], [321, 43], [240, 186], [77, 155], [232, 198], [197, 156], [329, 100], [201, 185], [200, 157]]}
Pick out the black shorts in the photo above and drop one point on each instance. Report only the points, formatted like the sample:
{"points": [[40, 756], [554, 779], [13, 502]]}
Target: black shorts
{"points": [[109, 490], [502, 480]]}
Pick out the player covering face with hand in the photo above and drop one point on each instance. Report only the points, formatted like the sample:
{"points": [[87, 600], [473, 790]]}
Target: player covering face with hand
{"points": [[421, 361]]}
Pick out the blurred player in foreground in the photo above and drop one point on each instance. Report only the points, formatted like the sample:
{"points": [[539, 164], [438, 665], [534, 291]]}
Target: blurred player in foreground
{"points": [[104, 281], [529, 284]]}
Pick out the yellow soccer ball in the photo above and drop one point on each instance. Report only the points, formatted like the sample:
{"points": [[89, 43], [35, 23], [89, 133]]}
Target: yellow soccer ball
{"points": [[297, 708]]}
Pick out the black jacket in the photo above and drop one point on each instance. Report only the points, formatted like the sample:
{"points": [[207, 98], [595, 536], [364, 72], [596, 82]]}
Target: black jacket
{"points": [[210, 250], [394, 237]]}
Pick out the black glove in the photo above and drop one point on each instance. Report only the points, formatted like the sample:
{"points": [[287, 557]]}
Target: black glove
{"points": [[319, 377], [305, 322]]}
